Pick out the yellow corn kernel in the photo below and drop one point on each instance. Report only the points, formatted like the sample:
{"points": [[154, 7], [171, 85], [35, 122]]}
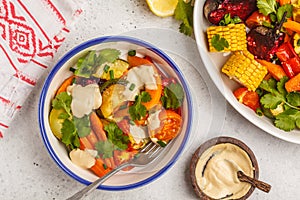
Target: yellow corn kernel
{"points": [[234, 34], [242, 67]]}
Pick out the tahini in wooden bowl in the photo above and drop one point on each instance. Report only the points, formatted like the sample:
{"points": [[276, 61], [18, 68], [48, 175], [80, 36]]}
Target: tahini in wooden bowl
{"points": [[214, 168]]}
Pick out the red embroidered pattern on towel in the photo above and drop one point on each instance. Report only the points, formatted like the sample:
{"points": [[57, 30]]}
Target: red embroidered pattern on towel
{"points": [[30, 34]]}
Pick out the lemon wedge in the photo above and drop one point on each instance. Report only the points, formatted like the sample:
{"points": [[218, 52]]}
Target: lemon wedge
{"points": [[162, 8]]}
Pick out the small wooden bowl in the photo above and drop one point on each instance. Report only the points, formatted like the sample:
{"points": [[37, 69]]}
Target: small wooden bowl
{"points": [[210, 143]]}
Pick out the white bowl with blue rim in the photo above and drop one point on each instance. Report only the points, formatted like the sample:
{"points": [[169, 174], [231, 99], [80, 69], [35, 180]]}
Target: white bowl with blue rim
{"points": [[136, 177]]}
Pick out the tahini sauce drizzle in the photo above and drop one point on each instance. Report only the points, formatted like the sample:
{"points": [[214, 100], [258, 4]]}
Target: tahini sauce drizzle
{"points": [[216, 171]]}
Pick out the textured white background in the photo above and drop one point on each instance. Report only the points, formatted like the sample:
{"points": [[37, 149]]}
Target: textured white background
{"points": [[28, 172]]}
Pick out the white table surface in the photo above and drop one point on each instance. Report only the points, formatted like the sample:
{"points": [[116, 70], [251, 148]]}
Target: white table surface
{"points": [[28, 172]]}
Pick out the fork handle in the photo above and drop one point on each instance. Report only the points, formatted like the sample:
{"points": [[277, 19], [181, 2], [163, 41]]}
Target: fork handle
{"points": [[85, 191]]}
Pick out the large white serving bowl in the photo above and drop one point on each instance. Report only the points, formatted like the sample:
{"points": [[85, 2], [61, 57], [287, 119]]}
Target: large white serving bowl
{"points": [[123, 180], [213, 63]]}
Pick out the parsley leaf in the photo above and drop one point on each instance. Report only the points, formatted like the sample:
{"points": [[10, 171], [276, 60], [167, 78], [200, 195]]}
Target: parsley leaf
{"points": [[82, 125], [228, 20], [105, 148], [137, 111], [173, 96], [219, 43], [63, 101], [276, 94], [69, 134], [266, 7], [184, 12], [87, 64], [116, 136], [282, 9]]}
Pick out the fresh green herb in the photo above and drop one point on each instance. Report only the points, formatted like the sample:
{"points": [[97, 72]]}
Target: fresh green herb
{"points": [[138, 110], [184, 13], [132, 52], [173, 96], [63, 101], [106, 68], [132, 86], [116, 136], [69, 134], [161, 143], [272, 8], [219, 43], [275, 95], [111, 74], [104, 166], [82, 125], [88, 63], [105, 148], [228, 20], [298, 42]]}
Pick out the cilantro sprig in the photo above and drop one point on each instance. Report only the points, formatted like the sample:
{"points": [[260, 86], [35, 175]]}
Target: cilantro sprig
{"points": [[137, 111], [116, 136], [87, 64], [275, 95], [228, 20], [274, 10], [72, 127], [173, 96], [219, 43], [184, 13]]}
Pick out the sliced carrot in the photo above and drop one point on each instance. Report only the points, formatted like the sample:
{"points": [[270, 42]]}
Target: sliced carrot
{"points": [[65, 84], [134, 61], [276, 71], [292, 25], [293, 84], [97, 126], [282, 2], [155, 97], [85, 143], [92, 138], [100, 168]]}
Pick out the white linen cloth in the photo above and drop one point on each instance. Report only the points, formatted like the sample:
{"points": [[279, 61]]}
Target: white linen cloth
{"points": [[31, 31]]}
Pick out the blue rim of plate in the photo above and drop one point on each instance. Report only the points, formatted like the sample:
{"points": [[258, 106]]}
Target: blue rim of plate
{"points": [[88, 44]]}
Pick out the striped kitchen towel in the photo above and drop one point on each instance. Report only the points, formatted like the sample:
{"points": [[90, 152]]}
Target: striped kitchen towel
{"points": [[30, 34]]}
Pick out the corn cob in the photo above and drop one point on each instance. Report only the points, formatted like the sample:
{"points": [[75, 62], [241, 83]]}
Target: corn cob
{"points": [[242, 67], [234, 34]]}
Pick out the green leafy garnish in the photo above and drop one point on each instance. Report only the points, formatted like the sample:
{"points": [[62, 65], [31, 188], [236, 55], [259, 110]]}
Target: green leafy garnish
{"points": [[228, 20], [173, 96], [63, 101], [275, 95], [82, 126], [137, 111], [161, 143], [105, 148], [219, 43], [266, 7], [274, 10], [184, 13], [116, 136], [69, 134], [87, 64]]}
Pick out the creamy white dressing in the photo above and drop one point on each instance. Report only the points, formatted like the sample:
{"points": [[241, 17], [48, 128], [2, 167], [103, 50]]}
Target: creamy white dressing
{"points": [[84, 99], [82, 158], [138, 78], [138, 133], [216, 171], [153, 120]]}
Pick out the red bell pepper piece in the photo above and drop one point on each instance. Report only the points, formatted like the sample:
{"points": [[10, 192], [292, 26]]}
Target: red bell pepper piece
{"points": [[285, 52], [290, 61], [248, 98]]}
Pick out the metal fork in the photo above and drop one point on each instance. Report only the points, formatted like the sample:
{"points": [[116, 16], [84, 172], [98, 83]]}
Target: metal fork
{"points": [[146, 155]]}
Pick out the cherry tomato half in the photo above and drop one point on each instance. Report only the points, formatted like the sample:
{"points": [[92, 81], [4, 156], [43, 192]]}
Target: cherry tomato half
{"points": [[248, 98]]}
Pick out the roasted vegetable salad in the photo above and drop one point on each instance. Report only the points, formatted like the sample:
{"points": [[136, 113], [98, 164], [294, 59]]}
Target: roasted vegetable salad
{"points": [[112, 105], [262, 38]]}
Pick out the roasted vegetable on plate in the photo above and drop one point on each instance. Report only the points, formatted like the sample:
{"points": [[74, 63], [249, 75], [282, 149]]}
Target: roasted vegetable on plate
{"points": [[263, 42]]}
